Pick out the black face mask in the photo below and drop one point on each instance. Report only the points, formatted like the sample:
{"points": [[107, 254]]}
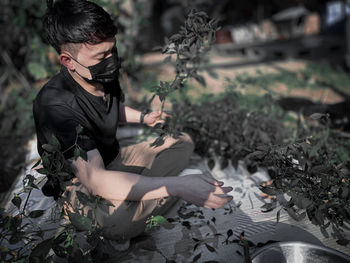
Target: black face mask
{"points": [[105, 71]]}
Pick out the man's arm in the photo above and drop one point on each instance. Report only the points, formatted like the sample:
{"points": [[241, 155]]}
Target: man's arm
{"points": [[130, 115], [200, 190]]}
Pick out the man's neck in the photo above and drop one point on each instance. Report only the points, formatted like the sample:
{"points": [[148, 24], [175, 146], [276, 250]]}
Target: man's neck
{"points": [[93, 88]]}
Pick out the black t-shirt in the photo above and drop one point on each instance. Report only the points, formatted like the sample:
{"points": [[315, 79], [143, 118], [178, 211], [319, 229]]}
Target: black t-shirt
{"points": [[62, 104]]}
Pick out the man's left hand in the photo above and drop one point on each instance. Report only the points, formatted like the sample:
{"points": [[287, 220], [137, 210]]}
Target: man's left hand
{"points": [[155, 117]]}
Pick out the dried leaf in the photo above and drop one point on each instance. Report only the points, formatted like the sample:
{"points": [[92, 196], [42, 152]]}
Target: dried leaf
{"points": [[268, 207], [198, 256], [210, 248], [343, 242]]}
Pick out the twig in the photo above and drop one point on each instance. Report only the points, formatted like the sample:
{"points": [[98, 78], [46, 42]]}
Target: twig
{"points": [[7, 59]]}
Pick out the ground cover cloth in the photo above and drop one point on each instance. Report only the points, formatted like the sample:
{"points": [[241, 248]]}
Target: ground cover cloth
{"points": [[198, 234]]}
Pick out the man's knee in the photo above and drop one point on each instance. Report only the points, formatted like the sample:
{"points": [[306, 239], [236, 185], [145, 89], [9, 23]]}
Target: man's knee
{"points": [[187, 142], [185, 137], [123, 232]]}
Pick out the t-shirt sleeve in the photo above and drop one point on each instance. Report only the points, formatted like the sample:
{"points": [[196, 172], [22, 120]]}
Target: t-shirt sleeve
{"points": [[63, 123]]}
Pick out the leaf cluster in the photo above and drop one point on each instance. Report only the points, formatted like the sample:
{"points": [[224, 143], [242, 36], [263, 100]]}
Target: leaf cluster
{"points": [[36, 242], [55, 166], [318, 188], [189, 45], [220, 127], [312, 170]]}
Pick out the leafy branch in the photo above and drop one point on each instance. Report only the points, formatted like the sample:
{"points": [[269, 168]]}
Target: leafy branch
{"points": [[18, 227], [190, 47]]}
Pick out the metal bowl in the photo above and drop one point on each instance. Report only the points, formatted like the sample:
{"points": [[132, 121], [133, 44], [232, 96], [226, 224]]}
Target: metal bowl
{"points": [[298, 252]]}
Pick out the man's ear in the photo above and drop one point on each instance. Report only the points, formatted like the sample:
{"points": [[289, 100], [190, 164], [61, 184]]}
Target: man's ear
{"points": [[66, 61]]}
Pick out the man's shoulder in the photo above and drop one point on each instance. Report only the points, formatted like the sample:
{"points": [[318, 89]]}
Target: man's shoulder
{"points": [[55, 92]]}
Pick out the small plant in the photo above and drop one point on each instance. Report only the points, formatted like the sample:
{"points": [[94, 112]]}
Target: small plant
{"points": [[313, 169], [314, 172], [37, 241], [222, 127]]}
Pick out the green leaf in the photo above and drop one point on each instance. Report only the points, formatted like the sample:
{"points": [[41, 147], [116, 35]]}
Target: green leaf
{"points": [[37, 70], [64, 175], [46, 161], [83, 154], [36, 213], [43, 171], [54, 141], [49, 148], [103, 201], [82, 223], [76, 153], [162, 96], [83, 198], [158, 220], [79, 129], [16, 201], [269, 190], [155, 221], [84, 137]]}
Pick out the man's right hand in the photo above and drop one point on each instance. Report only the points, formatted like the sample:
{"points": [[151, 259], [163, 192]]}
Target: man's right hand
{"points": [[202, 190]]}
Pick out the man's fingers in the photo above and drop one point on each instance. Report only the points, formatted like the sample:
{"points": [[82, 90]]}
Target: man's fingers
{"points": [[211, 180], [164, 115], [158, 122], [217, 201], [225, 189]]}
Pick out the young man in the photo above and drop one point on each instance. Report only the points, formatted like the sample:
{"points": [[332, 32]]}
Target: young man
{"points": [[139, 180]]}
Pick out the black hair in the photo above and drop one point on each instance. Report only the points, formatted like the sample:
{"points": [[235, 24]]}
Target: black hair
{"points": [[76, 21]]}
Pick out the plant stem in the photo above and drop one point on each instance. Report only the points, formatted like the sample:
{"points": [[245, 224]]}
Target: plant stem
{"points": [[26, 202]]}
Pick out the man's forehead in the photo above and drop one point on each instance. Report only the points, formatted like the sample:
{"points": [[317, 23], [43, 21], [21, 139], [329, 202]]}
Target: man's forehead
{"points": [[103, 46]]}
